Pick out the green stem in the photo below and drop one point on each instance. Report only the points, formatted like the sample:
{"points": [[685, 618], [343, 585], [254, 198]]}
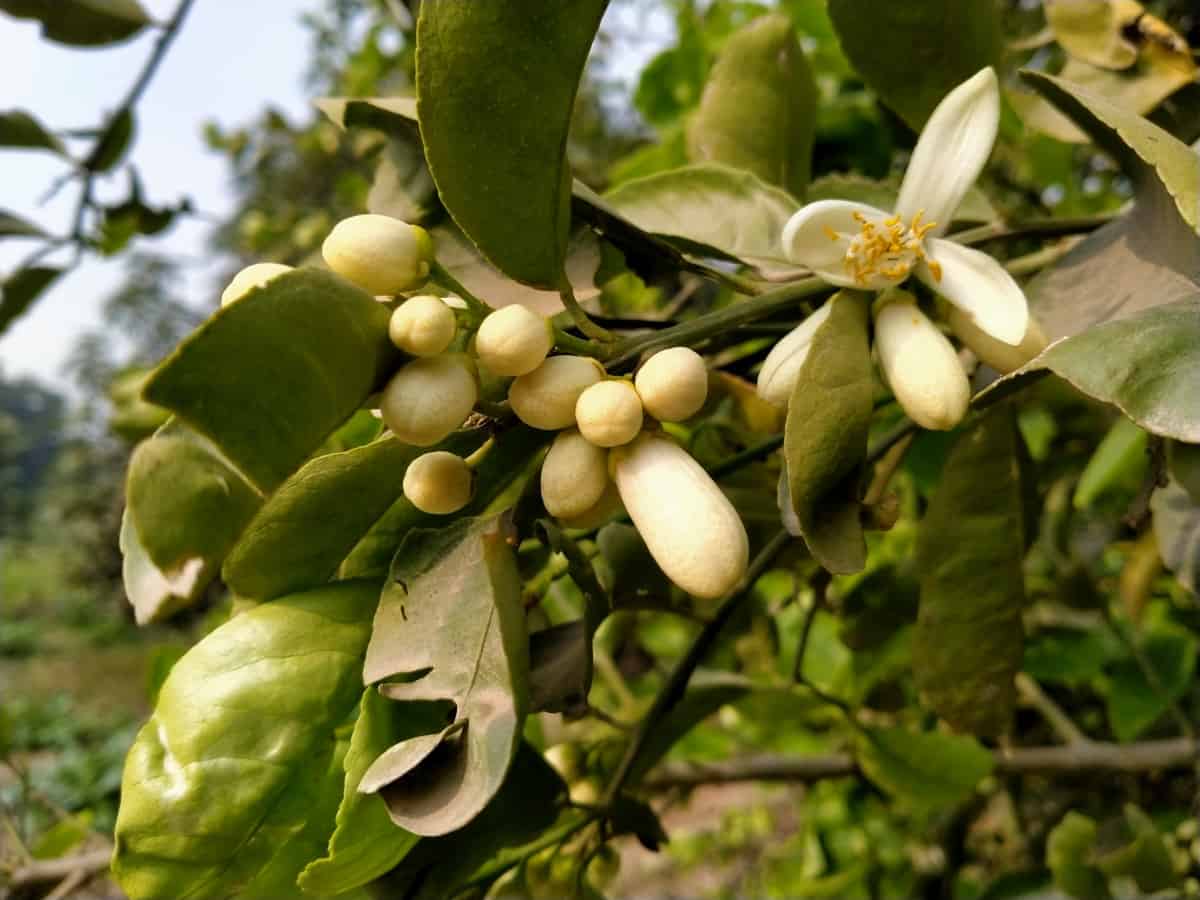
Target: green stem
{"points": [[580, 318], [477, 310], [1032, 228], [579, 346], [1039, 259], [747, 456]]}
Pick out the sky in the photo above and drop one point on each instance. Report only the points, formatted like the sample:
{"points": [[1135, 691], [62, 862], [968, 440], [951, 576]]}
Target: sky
{"points": [[230, 60]]}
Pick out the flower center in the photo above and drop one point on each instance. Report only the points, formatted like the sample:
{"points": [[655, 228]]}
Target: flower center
{"points": [[885, 252]]}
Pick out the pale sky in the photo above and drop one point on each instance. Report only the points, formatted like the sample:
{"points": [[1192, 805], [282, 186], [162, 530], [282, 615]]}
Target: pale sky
{"points": [[231, 59]]}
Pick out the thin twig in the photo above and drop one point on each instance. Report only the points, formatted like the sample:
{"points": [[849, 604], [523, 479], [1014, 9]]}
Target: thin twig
{"points": [[820, 586], [747, 456], [581, 319], [1156, 477], [1048, 227], [898, 433], [43, 871], [1062, 724]]}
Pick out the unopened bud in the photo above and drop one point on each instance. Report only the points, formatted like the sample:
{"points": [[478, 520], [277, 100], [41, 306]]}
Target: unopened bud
{"points": [[673, 384], [422, 326], [251, 277], [921, 365], [380, 254], [545, 398], [513, 341], [438, 483], [429, 398], [609, 414], [574, 475], [1002, 357]]}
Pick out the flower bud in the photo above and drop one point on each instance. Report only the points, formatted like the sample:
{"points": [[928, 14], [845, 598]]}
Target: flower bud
{"points": [[603, 511], [782, 366], [921, 365], [1002, 357], [513, 341], [438, 483], [545, 398], [566, 760], [673, 384], [609, 413], [428, 398], [251, 277], [380, 254], [690, 527], [574, 475], [422, 326]]}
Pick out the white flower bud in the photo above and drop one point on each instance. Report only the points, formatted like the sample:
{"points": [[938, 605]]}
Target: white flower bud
{"points": [[574, 475], [1002, 357], [251, 277], [782, 366], [609, 414], [921, 365], [438, 483], [380, 254], [603, 511], [545, 398], [673, 384], [428, 398], [422, 326], [513, 341], [690, 527]]}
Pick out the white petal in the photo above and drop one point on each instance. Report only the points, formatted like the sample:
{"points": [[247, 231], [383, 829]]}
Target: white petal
{"points": [[1002, 357], [980, 287], [921, 366], [807, 242], [781, 368], [952, 150]]}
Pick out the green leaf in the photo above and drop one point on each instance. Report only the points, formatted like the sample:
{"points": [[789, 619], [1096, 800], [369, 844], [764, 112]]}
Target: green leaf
{"points": [[913, 54], [711, 206], [1146, 858], [1177, 529], [132, 418], [308, 526], [82, 23], [402, 187], [825, 439], [366, 843], [15, 226], [672, 82], [1135, 702], [270, 377], [1069, 657], [928, 769], [113, 143], [1089, 30], [628, 571], [669, 151], [19, 129], [1183, 462], [1119, 462], [758, 110], [451, 589], [241, 752], [1068, 855], [702, 699], [496, 86], [969, 641], [20, 289]]}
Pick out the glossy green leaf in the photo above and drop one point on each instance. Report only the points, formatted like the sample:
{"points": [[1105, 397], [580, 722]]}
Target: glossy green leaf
{"points": [[825, 439], [132, 418], [1069, 850], [451, 589], [668, 152], [758, 110], [671, 83], [969, 641], [1119, 461], [1177, 529], [1136, 702], [1070, 657], [366, 843], [82, 23], [113, 144], [20, 289], [925, 769], [225, 780], [19, 129], [15, 226], [1146, 858], [269, 377], [913, 54], [711, 206], [628, 571], [496, 86]]}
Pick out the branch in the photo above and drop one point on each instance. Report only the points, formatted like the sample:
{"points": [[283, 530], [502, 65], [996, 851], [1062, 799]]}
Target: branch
{"points": [[47, 870], [1047, 227], [1064, 726], [1074, 759]]}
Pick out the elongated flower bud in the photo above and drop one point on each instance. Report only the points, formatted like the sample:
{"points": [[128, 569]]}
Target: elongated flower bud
{"points": [[609, 413], [251, 277], [690, 527], [429, 398], [380, 254], [603, 511], [921, 365], [438, 483], [545, 398], [513, 341], [1002, 357], [782, 366], [673, 384], [422, 326], [574, 475]]}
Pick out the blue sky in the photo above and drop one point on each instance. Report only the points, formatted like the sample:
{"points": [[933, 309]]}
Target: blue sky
{"points": [[230, 60]]}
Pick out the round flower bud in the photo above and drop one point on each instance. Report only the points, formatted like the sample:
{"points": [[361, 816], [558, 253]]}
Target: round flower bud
{"points": [[380, 254], [782, 366], [921, 365], [251, 277], [585, 792], [574, 475], [673, 384], [545, 398], [609, 414], [690, 527], [422, 326], [513, 341], [428, 398], [603, 511], [438, 483], [1002, 357]]}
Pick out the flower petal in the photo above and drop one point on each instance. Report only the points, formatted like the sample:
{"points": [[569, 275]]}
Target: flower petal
{"points": [[920, 365], [979, 286], [807, 240], [781, 368], [952, 150]]}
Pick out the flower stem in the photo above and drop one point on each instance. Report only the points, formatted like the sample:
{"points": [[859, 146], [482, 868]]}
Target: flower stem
{"points": [[581, 319], [477, 310]]}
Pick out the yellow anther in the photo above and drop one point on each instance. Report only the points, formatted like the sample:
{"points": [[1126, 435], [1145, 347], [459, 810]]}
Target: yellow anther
{"points": [[916, 222], [859, 217], [831, 234], [892, 222], [935, 268]]}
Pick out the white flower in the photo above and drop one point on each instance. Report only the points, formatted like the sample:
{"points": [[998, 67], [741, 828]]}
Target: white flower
{"points": [[855, 245]]}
